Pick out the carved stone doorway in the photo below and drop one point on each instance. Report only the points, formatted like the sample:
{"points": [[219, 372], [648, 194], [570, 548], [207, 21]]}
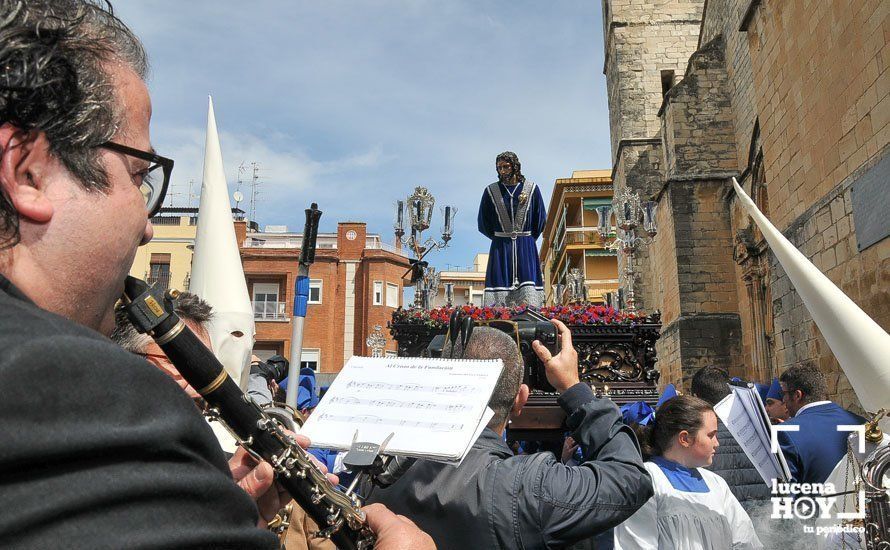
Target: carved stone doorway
{"points": [[752, 255]]}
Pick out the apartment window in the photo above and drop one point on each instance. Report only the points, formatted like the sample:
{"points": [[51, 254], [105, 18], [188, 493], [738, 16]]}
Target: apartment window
{"points": [[159, 270], [314, 291], [378, 293], [310, 358], [265, 300], [392, 295]]}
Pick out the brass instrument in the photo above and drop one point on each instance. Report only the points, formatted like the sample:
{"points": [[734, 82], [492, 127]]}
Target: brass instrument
{"points": [[862, 489], [877, 500], [281, 521], [266, 438]]}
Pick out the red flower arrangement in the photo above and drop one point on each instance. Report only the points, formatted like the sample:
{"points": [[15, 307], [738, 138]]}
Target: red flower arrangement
{"points": [[573, 314]]}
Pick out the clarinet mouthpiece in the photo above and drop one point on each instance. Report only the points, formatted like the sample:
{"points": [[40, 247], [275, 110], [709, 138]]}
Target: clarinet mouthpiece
{"points": [[134, 287]]}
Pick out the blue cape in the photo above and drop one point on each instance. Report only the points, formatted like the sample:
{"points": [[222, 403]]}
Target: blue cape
{"points": [[638, 412], [307, 396], [670, 391]]}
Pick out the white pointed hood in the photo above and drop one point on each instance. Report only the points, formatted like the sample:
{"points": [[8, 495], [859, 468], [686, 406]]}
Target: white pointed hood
{"points": [[860, 345], [217, 274]]}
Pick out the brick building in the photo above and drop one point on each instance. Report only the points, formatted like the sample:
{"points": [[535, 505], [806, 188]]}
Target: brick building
{"points": [[355, 284], [571, 241], [791, 98]]}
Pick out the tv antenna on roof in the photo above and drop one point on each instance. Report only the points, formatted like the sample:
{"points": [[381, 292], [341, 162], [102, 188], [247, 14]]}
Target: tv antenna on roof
{"points": [[192, 195], [254, 186], [170, 195], [254, 189]]}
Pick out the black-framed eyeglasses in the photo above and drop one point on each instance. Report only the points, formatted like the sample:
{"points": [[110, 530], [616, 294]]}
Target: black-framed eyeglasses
{"points": [[153, 191]]}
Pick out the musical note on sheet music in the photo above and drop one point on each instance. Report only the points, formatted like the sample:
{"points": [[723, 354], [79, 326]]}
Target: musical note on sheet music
{"points": [[395, 403], [451, 388]]}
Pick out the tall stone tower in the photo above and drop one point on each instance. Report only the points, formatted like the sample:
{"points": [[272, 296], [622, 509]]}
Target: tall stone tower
{"points": [[648, 45], [673, 142]]}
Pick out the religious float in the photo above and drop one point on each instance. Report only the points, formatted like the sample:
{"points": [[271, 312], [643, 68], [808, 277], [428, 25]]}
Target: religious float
{"points": [[616, 353], [616, 348]]}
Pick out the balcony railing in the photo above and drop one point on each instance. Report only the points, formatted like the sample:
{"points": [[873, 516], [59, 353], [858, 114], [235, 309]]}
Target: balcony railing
{"points": [[255, 242], [163, 279], [596, 288], [376, 245], [461, 269], [166, 221], [584, 235], [575, 236], [270, 311]]}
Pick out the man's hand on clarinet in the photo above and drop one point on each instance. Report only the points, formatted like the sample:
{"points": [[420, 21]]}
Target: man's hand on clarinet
{"points": [[562, 368], [258, 481], [396, 532]]}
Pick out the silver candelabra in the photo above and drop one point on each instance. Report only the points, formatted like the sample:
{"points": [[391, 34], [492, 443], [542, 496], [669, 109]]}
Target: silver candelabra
{"points": [[635, 220], [417, 210]]}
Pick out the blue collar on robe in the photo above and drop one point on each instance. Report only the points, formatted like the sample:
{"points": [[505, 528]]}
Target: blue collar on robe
{"points": [[688, 480]]}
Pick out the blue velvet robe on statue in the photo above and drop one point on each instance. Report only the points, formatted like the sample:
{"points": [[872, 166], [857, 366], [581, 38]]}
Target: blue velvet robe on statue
{"points": [[513, 279]]}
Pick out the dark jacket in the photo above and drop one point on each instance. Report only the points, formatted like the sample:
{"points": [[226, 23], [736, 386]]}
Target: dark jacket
{"points": [[102, 450], [814, 450], [733, 465], [497, 500]]}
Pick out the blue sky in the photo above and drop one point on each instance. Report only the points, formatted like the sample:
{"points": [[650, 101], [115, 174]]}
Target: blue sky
{"points": [[351, 104]]}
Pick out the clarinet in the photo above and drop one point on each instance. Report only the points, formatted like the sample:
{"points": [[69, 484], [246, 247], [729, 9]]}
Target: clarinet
{"points": [[338, 515]]}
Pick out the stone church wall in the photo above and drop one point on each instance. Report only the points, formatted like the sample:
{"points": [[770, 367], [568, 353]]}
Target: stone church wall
{"points": [[793, 99]]}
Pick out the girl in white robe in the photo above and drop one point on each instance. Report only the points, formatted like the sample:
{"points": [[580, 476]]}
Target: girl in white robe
{"points": [[693, 508]]}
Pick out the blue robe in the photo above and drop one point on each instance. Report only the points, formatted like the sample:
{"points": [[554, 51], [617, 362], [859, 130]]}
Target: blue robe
{"points": [[509, 280]]}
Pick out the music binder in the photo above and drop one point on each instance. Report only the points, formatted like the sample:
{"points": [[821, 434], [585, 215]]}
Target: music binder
{"points": [[746, 418], [436, 408]]}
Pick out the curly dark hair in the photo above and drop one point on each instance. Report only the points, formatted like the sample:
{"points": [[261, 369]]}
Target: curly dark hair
{"points": [[808, 379], [54, 57], [511, 157]]}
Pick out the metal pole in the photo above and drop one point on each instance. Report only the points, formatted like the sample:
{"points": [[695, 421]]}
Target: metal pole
{"points": [[301, 301]]}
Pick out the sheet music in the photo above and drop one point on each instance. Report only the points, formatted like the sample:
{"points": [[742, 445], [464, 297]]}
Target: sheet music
{"points": [[435, 407], [745, 416]]}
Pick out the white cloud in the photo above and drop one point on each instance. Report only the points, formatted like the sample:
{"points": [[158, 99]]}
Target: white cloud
{"points": [[352, 104], [282, 174]]}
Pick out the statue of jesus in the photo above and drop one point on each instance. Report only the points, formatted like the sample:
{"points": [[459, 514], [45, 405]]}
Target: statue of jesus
{"points": [[512, 215]]}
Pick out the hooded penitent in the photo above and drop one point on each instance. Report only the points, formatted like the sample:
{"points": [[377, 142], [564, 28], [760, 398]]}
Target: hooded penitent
{"points": [[217, 275]]}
